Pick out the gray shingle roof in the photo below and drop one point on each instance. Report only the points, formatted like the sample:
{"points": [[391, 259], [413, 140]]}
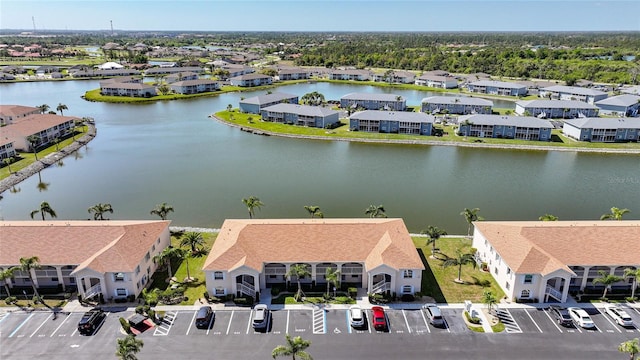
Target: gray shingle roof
{"points": [[194, 82], [251, 77], [393, 116], [462, 100], [518, 121], [620, 100], [556, 104], [499, 84], [268, 98], [305, 110], [573, 90], [605, 123], [370, 96]]}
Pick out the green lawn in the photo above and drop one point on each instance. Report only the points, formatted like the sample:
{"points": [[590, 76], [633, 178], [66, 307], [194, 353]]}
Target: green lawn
{"points": [[438, 282]]}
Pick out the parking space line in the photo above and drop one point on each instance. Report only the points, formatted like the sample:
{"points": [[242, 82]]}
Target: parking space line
{"points": [[22, 324], [230, 320], [167, 322], [609, 320], [534, 322], [191, 323], [552, 321], [41, 325], [426, 323], [59, 326], [210, 325], [406, 321], [4, 315], [287, 327], [249, 323], [100, 325]]}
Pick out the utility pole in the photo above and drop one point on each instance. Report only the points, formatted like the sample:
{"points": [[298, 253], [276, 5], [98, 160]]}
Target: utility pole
{"points": [[33, 20], [111, 22]]}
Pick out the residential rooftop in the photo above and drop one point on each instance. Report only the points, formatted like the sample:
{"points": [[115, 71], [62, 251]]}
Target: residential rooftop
{"points": [[573, 90], [305, 110], [620, 100], [462, 100], [556, 104], [605, 123], [375, 97], [518, 121], [268, 98], [393, 116]]}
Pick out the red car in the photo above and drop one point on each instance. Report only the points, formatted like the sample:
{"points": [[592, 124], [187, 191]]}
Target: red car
{"points": [[379, 319]]}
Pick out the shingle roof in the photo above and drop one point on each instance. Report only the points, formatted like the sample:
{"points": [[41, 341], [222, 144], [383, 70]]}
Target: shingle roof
{"points": [[605, 123], [499, 84], [393, 116], [121, 85], [105, 246], [620, 100], [193, 82], [268, 98], [546, 246], [251, 77], [573, 90], [556, 104], [32, 124], [462, 100], [518, 121], [305, 110], [253, 243], [370, 96], [14, 110]]}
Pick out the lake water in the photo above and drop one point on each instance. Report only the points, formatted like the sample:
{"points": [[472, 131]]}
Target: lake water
{"points": [[173, 152]]}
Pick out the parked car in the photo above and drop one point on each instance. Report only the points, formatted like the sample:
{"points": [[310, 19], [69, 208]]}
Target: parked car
{"points": [[581, 318], [356, 316], [91, 321], [561, 315], [205, 317], [619, 315], [379, 318], [261, 317], [434, 315]]}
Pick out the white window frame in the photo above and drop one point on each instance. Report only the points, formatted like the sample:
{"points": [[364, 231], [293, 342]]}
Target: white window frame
{"points": [[525, 294], [215, 277], [407, 274], [407, 289], [524, 279], [126, 292], [117, 278], [217, 293]]}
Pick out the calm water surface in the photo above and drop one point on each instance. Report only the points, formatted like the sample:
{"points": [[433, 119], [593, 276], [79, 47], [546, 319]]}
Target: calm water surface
{"points": [[172, 152]]}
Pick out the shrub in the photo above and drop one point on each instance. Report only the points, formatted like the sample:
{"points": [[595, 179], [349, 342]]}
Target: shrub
{"points": [[275, 291], [474, 320], [152, 314], [11, 300], [407, 298], [125, 325], [629, 299]]}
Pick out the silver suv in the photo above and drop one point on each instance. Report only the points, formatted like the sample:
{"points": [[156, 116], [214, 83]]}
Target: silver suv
{"points": [[434, 315], [261, 317]]}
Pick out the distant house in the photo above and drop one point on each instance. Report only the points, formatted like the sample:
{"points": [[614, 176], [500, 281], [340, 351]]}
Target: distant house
{"points": [[293, 74], [353, 75], [398, 122], [497, 88], [561, 92], [506, 127], [435, 81], [553, 109], [6, 149], [123, 79], [112, 259], [461, 105], [105, 73], [127, 89], [253, 105], [603, 129], [195, 86], [368, 101], [6, 77], [303, 115], [9, 113], [46, 69], [47, 127], [249, 80], [110, 66], [632, 90], [395, 76], [621, 105], [173, 70], [238, 70], [181, 76]]}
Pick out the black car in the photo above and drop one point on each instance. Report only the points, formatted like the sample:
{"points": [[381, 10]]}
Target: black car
{"points": [[561, 315], [205, 317], [91, 321]]}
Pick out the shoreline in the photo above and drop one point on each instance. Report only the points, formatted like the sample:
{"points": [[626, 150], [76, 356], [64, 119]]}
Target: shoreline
{"points": [[436, 143], [43, 163]]}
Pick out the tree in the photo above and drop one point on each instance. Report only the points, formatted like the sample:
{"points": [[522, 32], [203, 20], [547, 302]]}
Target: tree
{"points": [[229, 107], [166, 256], [162, 210], [5, 275], [607, 280], [184, 255], [470, 215], [44, 108], [26, 264], [252, 203], [434, 233], [635, 274], [489, 299], [333, 277], [375, 211], [616, 214], [630, 347], [192, 239], [99, 210], [8, 162], [61, 107], [128, 347], [45, 208], [299, 271], [314, 211], [33, 141], [313, 98], [460, 259], [56, 140], [295, 347], [548, 217]]}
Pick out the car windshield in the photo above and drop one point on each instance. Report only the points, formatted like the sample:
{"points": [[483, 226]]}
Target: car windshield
{"points": [[379, 319], [586, 318]]}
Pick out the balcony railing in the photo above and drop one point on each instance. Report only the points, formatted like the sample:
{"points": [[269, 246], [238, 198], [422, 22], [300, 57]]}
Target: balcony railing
{"points": [[381, 287], [554, 293], [93, 291]]}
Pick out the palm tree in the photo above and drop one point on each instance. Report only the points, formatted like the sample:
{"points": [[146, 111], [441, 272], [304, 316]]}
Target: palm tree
{"points": [[635, 274], [333, 277], [192, 239], [229, 107], [61, 107], [294, 347], [6, 275], [128, 347], [8, 162], [166, 256], [630, 347], [375, 211], [26, 264], [56, 140], [182, 254], [313, 98], [616, 214], [607, 280], [99, 210], [470, 215], [434, 233], [314, 211], [33, 141], [45, 208], [489, 299], [43, 108], [460, 259], [162, 210], [299, 271], [548, 217], [252, 203]]}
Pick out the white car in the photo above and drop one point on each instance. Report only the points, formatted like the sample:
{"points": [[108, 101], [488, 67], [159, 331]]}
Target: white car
{"points": [[619, 315], [581, 318], [356, 316]]}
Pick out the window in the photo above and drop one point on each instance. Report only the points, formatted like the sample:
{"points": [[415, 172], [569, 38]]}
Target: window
{"points": [[528, 279], [121, 292], [508, 285], [147, 256], [525, 294], [158, 241], [72, 280], [54, 279], [119, 276], [496, 270], [153, 247], [273, 276], [137, 269], [408, 274], [407, 289], [218, 275], [219, 291], [508, 271]]}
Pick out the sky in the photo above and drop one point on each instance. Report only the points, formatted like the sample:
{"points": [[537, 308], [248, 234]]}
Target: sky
{"points": [[323, 15]]}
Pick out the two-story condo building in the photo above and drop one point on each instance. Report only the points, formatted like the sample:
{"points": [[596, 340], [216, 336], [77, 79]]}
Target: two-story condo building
{"points": [[109, 258], [435, 81], [303, 115], [603, 129], [621, 105], [254, 105], [553, 109], [9, 113], [562, 92], [195, 86], [249, 80], [354, 75], [398, 122], [395, 76], [506, 127], [544, 261], [293, 74], [497, 88], [367, 101], [6, 149], [47, 127], [115, 88], [461, 105], [249, 256]]}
